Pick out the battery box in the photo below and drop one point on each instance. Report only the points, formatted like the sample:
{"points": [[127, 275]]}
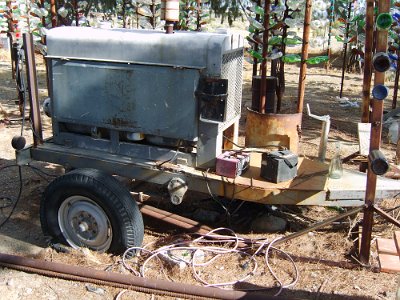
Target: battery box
{"points": [[232, 164], [278, 166]]}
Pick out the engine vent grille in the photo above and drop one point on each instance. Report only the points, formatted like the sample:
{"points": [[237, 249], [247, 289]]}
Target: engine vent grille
{"points": [[232, 64]]}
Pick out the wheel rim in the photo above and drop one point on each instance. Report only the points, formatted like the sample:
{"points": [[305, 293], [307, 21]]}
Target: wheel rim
{"points": [[84, 224]]}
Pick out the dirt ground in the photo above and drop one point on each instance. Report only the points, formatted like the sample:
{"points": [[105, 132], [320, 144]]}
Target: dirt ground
{"points": [[22, 234]]}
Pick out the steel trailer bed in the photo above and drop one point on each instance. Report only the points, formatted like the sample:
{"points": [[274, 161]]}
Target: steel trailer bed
{"points": [[312, 186]]}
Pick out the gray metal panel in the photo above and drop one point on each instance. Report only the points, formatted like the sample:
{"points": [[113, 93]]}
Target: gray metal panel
{"points": [[149, 99], [193, 49], [133, 150]]}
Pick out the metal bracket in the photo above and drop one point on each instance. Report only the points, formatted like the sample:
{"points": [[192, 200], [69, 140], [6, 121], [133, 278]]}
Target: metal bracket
{"points": [[23, 157], [177, 188]]}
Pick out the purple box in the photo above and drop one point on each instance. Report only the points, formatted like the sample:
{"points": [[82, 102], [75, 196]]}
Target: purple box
{"points": [[232, 163]]}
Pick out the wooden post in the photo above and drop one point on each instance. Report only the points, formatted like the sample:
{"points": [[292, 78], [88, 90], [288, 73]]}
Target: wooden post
{"points": [[369, 41], [304, 56], [396, 83], [264, 55], [376, 134], [345, 44]]}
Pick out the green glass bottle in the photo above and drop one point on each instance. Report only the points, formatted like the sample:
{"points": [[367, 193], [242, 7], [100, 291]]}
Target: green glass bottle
{"points": [[291, 58], [255, 54], [258, 10], [384, 21], [317, 60]]}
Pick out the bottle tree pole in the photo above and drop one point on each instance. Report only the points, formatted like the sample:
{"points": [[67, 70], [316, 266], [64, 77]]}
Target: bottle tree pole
{"points": [[345, 46], [10, 36], [304, 56], [328, 51], [53, 13], [281, 74], [369, 42], [75, 5], [376, 134], [10, 17], [198, 15], [255, 65], [263, 92], [396, 83]]}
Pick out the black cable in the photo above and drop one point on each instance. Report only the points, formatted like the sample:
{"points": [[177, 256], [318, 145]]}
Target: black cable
{"points": [[40, 175], [229, 140], [19, 193], [41, 171], [173, 157], [168, 160], [227, 213], [6, 205]]}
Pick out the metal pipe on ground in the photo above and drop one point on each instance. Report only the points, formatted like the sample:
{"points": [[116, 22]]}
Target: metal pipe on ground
{"points": [[174, 219], [320, 225], [131, 282]]}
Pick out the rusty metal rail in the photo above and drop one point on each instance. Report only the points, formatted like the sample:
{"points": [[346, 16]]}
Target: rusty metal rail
{"points": [[174, 219], [130, 282]]}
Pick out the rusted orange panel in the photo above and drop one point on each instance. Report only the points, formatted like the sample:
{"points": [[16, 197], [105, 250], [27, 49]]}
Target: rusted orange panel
{"points": [[273, 130]]}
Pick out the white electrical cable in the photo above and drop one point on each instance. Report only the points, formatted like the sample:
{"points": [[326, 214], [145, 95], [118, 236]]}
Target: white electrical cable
{"points": [[281, 286], [230, 245]]}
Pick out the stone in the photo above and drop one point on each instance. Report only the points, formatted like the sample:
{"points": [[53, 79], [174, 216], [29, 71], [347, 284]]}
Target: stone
{"points": [[11, 282], [206, 216], [268, 223], [96, 290]]}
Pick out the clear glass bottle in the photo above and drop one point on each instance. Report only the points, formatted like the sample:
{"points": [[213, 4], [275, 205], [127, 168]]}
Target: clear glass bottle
{"points": [[335, 167]]}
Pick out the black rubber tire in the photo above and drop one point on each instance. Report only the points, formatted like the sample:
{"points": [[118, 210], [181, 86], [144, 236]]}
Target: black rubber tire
{"points": [[108, 193]]}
